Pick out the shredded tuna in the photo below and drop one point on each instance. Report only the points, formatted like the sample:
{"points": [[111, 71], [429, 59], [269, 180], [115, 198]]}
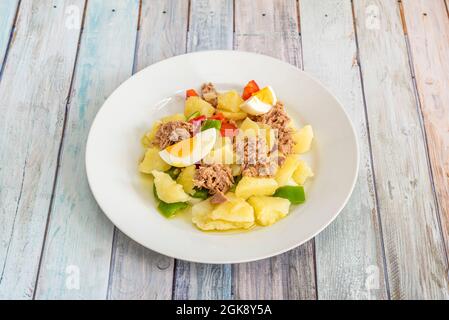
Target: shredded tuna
{"points": [[209, 93], [218, 198], [217, 178], [254, 158], [278, 119], [171, 132]]}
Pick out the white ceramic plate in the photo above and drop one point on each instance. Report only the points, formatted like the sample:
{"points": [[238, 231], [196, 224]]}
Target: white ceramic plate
{"points": [[114, 150]]}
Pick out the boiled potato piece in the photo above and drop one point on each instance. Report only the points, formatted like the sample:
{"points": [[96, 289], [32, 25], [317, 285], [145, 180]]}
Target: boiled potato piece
{"points": [[194, 104], [249, 127], [229, 101], [252, 186], [223, 155], [269, 133], [303, 139], [152, 161], [185, 179], [174, 117], [236, 116], [201, 218], [285, 172], [148, 138], [268, 210], [234, 210], [167, 189], [302, 172], [236, 169]]}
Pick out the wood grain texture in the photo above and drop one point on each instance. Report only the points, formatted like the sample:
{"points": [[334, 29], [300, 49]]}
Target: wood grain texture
{"points": [[30, 132], [345, 256], [210, 28], [79, 236], [271, 27], [139, 273], [415, 258], [211, 25], [8, 9], [428, 32]]}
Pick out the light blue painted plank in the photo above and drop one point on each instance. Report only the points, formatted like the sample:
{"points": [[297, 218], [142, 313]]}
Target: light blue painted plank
{"points": [[345, 257], [8, 9], [211, 27], [79, 237], [137, 272], [33, 92]]}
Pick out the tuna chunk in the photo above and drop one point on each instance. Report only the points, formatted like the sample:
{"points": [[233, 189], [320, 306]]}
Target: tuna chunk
{"points": [[172, 132], [217, 178], [209, 93]]}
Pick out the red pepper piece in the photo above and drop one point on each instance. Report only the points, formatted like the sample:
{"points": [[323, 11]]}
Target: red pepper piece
{"points": [[250, 89], [191, 93], [228, 129]]}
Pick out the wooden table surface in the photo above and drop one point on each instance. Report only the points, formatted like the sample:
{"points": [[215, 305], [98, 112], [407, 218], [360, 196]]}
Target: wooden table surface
{"points": [[386, 60]]}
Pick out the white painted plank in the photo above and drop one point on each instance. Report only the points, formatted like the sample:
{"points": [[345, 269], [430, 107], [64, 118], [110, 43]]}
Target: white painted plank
{"points": [[8, 9], [428, 33], [79, 237], [211, 23], [33, 92], [345, 256], [139, 273], [271, 27], [415, 257]]}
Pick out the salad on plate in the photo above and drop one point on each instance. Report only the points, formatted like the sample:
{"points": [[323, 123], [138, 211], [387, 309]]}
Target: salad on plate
{"points": [[232, 159]]}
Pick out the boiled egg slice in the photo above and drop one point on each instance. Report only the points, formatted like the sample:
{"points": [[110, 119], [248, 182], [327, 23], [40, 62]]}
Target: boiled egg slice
{"points": [[190, 151], [261, 102]]}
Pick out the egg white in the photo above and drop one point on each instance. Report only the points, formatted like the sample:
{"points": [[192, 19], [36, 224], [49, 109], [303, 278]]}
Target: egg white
{"points": [[203, 144], [254, 106]]}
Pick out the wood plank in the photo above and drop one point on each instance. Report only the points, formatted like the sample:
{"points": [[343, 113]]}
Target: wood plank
{"points": [[344, 255], [271, 27], [139, 273], [8, 11], [79, 236], [211, 27], [428, 33], [415, 258], [30, 132]]}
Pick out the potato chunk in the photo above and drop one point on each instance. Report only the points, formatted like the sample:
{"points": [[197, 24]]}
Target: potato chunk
{"points": [[148, 138], [236, 116], [285, 172], [229, 101], [303, 139], [194, 104], [185, 179], [252, 186], [234, 210], [249, 125], [152, 161], [268, 210], [167, 189], [203, 212], [302, 172]]}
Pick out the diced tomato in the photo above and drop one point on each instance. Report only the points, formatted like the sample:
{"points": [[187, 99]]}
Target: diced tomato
{"points": [[218, 116], [198, 119], [191, 93], [228, 129], [250, 89]]}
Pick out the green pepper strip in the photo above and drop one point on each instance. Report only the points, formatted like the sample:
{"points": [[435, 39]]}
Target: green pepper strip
{"points": [[168, 209], [236, 181], [211, 123], [173, 172], [201, 194], [193, 115], [295, 194]]}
